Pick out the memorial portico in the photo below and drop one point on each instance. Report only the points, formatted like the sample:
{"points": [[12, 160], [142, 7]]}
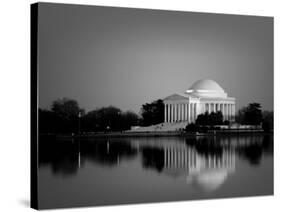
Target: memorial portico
{"points": [[203, 96]]}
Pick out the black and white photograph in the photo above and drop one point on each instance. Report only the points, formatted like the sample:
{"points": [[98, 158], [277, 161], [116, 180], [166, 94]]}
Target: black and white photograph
{"points": [[144, 106]]}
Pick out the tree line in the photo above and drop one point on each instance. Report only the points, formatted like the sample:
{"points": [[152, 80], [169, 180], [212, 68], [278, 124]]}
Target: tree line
{"points": [[66, 116]]}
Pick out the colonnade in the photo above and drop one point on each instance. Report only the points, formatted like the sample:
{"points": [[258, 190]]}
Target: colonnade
{"points": [[179, 111], [227, 109]]}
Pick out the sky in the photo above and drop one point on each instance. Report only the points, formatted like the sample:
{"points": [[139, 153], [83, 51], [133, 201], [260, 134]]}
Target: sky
{"points": [[103, 56]]}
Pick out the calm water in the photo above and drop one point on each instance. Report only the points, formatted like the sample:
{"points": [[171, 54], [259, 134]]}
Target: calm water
{"points": [[136, 170]]}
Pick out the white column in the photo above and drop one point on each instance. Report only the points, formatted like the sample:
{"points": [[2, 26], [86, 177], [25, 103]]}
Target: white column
{"points": [[190, 111], [225, 110], [178, 111], [168, 112], [167, 109], [193, 112], [172, 112], [186, 111], [230, 105], [228, 114], [223, 113], [182, 112], [171, 106], [231, 112], [175, 112], [234, 112]]}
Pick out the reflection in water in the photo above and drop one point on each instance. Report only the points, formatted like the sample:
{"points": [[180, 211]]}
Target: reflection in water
{"points": [[204, 162], [96, 171], [67, 156], [208, 171]]}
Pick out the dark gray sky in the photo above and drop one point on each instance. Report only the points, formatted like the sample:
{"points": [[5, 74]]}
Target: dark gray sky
{"points": [[104, 56]]}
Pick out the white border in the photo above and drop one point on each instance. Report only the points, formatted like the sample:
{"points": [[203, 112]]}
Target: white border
{"points": [[14, 107]]}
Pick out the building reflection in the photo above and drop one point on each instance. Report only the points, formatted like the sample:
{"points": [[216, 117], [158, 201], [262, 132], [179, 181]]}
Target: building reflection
{"points": [[201, 162], [209, 172], [178, 159]]}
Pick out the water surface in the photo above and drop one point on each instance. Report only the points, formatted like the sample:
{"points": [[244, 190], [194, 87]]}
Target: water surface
{"points": [[136, 170]]}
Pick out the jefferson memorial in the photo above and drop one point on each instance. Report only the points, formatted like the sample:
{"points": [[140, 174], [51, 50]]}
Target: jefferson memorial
{"points": [[203, 96]]}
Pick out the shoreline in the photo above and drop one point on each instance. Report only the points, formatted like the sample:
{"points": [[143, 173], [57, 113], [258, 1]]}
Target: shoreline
{"points": [[155, 134]]}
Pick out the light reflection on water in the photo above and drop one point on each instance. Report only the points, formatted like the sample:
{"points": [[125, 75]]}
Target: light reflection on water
{"points": [[97, 171]]}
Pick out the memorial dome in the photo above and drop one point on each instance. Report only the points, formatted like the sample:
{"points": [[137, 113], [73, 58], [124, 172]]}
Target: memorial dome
{"points": [[206, 88]]}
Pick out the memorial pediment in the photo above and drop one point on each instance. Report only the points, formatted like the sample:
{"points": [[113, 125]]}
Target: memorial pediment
{"points": [[175, 97]]}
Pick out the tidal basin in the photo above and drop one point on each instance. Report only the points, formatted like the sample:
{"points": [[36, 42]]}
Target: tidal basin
{"points": [[136, 170]]}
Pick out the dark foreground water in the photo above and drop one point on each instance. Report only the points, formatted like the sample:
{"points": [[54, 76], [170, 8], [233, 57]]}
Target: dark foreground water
{"points": [[136, 170]]}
